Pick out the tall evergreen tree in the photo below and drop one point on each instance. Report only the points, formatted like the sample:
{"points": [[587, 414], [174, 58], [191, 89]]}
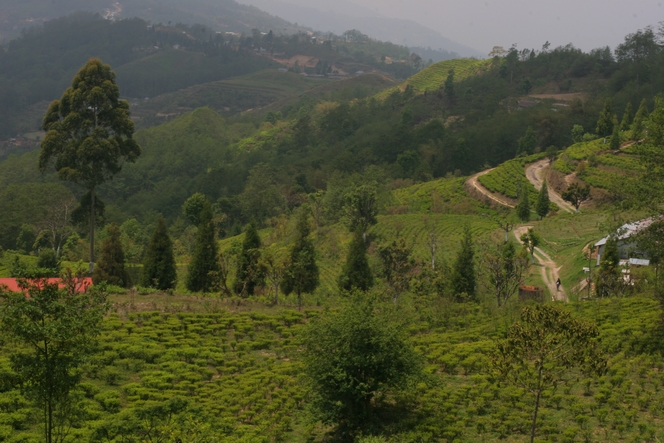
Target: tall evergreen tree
{"points": [[523, 207], [615, 137], [204, 261], [356, 273], [543, 202], [301, 274], [249, 274], [605, 121], [463, 274], [110, 267], [609, 278], [159, 269], [639, 121], [628, 118]]}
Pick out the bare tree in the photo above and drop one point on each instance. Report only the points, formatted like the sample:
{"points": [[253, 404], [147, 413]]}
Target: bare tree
{"points": [[57, 221], [505, 269]]}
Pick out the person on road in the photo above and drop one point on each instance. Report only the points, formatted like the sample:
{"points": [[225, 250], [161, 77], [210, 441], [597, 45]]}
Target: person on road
{"points": [[558, 285]]}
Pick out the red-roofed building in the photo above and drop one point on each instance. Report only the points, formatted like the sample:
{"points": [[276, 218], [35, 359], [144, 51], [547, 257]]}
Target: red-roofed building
{"points": [[82, 284]]}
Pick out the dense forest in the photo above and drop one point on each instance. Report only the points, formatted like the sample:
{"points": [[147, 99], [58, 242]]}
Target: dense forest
{"points": [[352, 259]]}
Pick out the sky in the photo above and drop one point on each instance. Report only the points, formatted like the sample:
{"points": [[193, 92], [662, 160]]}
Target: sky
{"points": [[482, 24]]}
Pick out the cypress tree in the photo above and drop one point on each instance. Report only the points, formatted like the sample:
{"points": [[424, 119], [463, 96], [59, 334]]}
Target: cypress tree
{"points": [[543, 202], [639, 121], [628, 118], [608, 275], [204, 261], [523, 207], [356, 273], [110, 267], [159, 269], [605, 121], [615, 137], [301, 274], [463, 274], [248, 273]]}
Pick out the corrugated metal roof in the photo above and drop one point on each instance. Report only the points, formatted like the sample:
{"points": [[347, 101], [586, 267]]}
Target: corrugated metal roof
{"points": [[629, 229]]}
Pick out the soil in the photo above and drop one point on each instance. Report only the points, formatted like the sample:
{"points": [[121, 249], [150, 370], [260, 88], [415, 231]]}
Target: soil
{"points": [[498, 198], [535, 173]]}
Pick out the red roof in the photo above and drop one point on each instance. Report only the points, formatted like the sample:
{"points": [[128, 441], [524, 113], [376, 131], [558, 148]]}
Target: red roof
{"points": [[82, 284]]}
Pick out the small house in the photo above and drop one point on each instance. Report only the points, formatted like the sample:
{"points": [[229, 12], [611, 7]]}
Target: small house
{"points": [[627, 248]]}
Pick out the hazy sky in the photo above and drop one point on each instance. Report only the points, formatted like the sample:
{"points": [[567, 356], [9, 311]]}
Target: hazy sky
{"points": [[482, 24]]}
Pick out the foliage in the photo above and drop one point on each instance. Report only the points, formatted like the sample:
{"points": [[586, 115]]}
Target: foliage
{"points": [[249, 273], [398, 265], [523, 207], [576, 194], [540, 350], [56, 332], [506, 269], [463, 273], [531, 240], [159, 270], [507, 177], [628, 118], [111, 265], [605, 122], [193, 207], [204, 264], [356, 273], [528, 142], [609, 278], [360, 209], [639, 121], [543, 205], [301, 274], [354, 359]]}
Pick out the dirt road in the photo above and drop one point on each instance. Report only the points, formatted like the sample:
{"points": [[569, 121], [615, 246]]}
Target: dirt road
{"points": [[535, 175], [500, 199], [550, 270]]}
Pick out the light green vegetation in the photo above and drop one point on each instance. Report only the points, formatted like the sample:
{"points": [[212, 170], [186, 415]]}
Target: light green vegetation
{"points": [[506, 177], [438, 196], [433, 77]]}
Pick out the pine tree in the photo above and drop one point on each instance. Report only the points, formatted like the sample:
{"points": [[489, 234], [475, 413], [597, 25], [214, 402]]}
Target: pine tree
{"points": [[204, 261], [356, 273], [301, 274], [628, 118], [249, 274], [463, 274], [615, 137], [608, 276], [159, 269], [523, 207], [605, 121], [639, 121], [110, 267], [543, 202]]}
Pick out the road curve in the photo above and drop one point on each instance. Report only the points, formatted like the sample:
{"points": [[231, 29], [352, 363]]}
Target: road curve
{"points": [[498, 198], [535, 175], [550, 270]]}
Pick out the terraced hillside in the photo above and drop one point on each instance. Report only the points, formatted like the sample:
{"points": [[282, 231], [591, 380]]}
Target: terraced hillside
{"points": [[505, 178]]}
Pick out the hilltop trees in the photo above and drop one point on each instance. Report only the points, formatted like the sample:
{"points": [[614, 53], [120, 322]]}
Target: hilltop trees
{"points": [[89, 133], [605, 121], [301, 274], [204, 263], [159, 269]]}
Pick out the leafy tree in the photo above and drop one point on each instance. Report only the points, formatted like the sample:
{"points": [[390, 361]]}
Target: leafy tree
{"points": [[26, 238], [530, 241], [89, 133], [301, 274], [193, 208], [605, 121], [204, 265], [360, 209], [274, 269], [55, 332], [449, 85], [526, 86], [628, 118], [505, 268], [397, 266], [543, 204], [615, 136], [356, 273], [463, 273], [577, 133], [49, 261], [110, 267], [651, 242], [159, 270], [249, 274], [261, 198], [528, 142], [639, 121], [542, 347], [523, 207], [576, 195], [353, 355]]}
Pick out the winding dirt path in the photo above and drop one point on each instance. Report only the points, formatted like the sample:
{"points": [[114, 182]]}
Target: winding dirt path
{"points": [[535, 175], [550, 270], [498, 198]]}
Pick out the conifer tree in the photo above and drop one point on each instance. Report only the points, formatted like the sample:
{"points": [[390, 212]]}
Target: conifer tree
{"points": [[609, 277], [159, 269], [110, 267], [543, 202], [639, 121], [249, 274], [356, 273], [301, 274], [523, 207], [204, 262], [463, 274], [605, 121], [628, 118], [615, 137]]}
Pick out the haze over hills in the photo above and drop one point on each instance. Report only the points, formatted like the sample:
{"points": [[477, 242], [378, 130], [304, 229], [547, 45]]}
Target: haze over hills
{"points": [[341, 16]]}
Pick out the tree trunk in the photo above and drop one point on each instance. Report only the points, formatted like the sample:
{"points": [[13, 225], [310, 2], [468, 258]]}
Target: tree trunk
{"points": [[537, 401], [92, 230]]}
